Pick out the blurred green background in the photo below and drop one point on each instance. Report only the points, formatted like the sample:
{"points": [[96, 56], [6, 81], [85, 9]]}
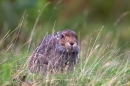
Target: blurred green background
{"points": [[83, 16]]}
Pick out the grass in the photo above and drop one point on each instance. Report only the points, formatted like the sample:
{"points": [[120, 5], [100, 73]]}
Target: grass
{"points": [[101, 64]]}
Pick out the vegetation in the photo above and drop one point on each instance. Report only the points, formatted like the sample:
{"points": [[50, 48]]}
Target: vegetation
{"points": [[100, 64], [80, 16], [104, 39]]}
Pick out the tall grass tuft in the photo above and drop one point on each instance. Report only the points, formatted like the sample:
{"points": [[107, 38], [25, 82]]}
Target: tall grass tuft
{"points": [[101, 64]]}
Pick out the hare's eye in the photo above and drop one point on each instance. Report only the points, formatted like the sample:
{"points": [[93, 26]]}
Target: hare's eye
{"points": [[62, 36], [76, 37]]}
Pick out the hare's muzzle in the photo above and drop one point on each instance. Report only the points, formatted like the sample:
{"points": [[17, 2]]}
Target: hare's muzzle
{"points": [[72, 46]]}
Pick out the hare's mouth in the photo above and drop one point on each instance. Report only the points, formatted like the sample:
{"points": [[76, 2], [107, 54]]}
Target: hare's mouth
{"points": [[72, 48]]}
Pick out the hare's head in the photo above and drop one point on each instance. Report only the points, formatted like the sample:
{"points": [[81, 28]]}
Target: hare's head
{"points": [[68, 41]]}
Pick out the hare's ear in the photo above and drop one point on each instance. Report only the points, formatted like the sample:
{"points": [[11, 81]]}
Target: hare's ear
{"points": [[60, 34]]}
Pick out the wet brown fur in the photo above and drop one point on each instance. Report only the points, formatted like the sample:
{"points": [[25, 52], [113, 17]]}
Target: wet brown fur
{"points": [[56, 52]]}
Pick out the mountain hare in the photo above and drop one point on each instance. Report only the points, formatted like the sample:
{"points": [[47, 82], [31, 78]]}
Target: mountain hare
{"points": [[55, 53]]}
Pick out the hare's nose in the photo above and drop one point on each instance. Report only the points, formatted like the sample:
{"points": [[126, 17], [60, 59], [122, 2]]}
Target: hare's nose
{"points": [[71, 44]]}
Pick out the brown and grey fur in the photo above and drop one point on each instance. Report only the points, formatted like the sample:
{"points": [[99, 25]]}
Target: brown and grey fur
{"points": [[56, 52]]}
